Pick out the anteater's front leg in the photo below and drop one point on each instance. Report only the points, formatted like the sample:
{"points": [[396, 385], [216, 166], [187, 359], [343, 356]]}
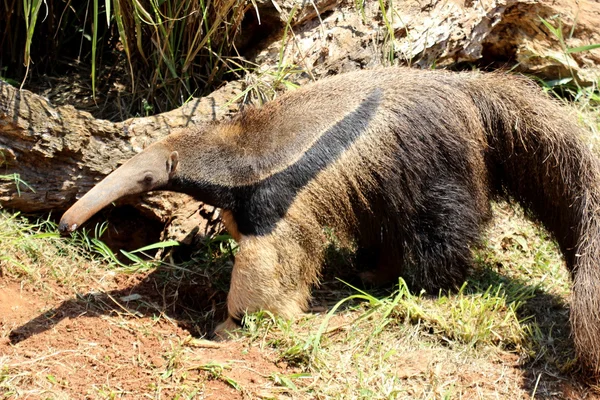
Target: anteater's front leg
{"points": [[273, 272]]}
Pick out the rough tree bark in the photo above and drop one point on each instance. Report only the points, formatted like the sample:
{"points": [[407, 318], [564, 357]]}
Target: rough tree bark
{"points": [[503, 33]]}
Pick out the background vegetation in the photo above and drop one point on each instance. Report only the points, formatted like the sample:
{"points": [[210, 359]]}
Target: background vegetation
{"points": [[155, 54]]}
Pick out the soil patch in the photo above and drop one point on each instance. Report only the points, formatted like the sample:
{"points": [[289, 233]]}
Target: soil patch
{"points": [[81, 350]]}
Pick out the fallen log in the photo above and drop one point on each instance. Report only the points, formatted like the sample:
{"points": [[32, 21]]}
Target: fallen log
{"points": [[50, 156]]}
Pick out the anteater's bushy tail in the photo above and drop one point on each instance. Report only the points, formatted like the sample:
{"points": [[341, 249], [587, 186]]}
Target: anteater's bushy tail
{"points": [[538, 156]]}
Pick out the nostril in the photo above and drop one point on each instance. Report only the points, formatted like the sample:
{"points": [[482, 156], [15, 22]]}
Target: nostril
{"points": [[64, 228]]}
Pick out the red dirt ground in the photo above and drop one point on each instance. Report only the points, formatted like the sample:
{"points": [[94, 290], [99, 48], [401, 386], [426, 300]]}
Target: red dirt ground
{"points": [[74, 352], [67, 347]]}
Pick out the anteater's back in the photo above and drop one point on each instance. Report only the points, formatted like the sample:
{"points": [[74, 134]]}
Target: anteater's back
{"points": [[418, 179]]}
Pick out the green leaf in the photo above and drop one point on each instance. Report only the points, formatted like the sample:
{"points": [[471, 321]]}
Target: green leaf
{"points": [[107, 4], [583, 48], [555, 31], [159, 245], [283, 380], [233, 383], [94, 46], [558, 82]]}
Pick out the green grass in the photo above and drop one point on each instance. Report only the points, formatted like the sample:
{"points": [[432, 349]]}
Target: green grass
{"points": [[171, 50], [355, 351], [16, 178], [400, 345], [34, 251], [31, 9]]}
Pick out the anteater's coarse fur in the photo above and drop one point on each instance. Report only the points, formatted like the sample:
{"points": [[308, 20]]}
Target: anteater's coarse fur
{"points": [[400, 161]]}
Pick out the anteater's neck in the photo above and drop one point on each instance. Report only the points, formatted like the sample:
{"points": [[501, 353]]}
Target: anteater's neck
{"points": [[204, 191], [256, 164]]}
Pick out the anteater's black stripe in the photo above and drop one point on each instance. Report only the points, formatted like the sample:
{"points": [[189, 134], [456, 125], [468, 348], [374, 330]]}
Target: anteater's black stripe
{"points": [[257, 208]]}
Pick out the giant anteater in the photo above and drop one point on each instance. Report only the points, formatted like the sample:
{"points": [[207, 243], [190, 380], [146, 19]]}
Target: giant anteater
{"points": [[400, 161]]}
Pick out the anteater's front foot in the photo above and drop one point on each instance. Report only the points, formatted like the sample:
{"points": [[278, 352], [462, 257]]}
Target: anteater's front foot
{"points": [[227, 330]]}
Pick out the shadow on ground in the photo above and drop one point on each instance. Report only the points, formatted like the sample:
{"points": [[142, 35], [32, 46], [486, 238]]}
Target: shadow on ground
{"points": [[551, 370], [187, 298]]}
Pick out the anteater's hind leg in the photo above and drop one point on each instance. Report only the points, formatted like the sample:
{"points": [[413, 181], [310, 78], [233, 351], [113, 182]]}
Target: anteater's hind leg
{"points": [[272, 272], [438, 251], [430, 245], [386, 272]]}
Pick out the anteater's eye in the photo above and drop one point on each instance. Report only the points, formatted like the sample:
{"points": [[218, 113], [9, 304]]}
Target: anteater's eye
{"points": [[148, 179]]}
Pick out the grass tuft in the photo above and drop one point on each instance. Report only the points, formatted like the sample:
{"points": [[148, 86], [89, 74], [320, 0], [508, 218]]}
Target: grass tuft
{"points": [[172, 50], [34, 250], [16, 178]]}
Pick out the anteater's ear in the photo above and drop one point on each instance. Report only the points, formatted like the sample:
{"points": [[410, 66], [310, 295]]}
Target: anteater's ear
{"points": [[172, 162]]}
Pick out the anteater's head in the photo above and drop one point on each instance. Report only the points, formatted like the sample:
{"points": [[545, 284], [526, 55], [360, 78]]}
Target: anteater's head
{"points": [[149, 170]]}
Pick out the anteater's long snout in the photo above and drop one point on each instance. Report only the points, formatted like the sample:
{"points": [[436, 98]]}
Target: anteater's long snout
{"points": [[149, 170], [113, 187]]}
